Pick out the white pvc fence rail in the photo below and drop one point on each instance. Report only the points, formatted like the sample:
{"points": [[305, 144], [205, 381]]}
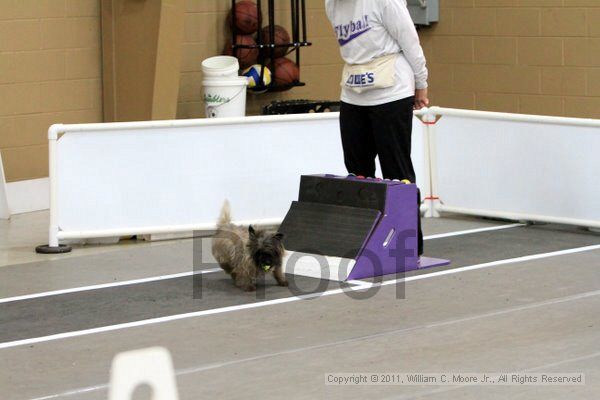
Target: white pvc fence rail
{"points": [[118, 179], [130, 178], [515, 166]]}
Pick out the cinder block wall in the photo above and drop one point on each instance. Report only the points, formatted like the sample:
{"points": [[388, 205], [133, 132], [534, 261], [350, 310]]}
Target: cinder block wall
{"points": [[205, 36], [49, 71], [523, 56]]}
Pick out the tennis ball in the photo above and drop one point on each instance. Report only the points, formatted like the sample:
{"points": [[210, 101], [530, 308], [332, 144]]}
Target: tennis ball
{"points": [[266, 268], [405, 181]]}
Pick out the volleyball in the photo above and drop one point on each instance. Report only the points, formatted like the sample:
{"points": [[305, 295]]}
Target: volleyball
{"points": [[253, 75]]}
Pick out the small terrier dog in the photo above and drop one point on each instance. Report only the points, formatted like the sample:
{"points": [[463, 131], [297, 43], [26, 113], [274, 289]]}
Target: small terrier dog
{"points": [[247, 253]]}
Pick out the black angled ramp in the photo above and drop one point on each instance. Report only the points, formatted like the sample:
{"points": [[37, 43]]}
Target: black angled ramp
{"points": [[327, 229], [359, 193]]}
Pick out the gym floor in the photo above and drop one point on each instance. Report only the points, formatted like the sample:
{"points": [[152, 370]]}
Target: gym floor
{"points": [[516, 298]]}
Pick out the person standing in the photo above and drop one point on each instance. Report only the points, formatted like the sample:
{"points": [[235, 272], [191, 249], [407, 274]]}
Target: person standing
{"points": [[383, 81]]}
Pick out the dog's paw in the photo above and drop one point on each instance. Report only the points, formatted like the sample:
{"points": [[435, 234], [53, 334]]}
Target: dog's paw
{"points": [[284, 283], [249, 288]]}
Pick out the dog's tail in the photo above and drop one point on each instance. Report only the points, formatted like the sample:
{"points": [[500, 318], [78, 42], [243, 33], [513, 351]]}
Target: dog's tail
{"points": [[225, 216]]}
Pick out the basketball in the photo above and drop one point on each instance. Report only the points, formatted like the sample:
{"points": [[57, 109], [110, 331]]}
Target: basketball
{"points": [[246, 17], [246, 57], [281, 37], [286, 72]]}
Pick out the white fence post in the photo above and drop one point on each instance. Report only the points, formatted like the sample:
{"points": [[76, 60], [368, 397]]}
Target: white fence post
{"points": [[152, 367], [4, 210], [53, 246], [433, 167], [424, 183], [53, 231], [431, 199]]}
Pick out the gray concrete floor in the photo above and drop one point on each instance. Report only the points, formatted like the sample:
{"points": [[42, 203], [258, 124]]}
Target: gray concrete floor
{"points": [[532, 314]]}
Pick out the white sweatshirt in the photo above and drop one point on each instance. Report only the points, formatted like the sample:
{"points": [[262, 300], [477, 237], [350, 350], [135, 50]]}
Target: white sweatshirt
{"points": [[369, 29]]}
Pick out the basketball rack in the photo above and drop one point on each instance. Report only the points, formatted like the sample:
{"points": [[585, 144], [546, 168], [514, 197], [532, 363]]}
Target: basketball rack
{"points": [[266, 55]]}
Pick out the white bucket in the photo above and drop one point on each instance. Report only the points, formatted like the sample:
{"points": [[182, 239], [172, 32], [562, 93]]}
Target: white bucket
{"points": [[220, 67], [225, 97]]}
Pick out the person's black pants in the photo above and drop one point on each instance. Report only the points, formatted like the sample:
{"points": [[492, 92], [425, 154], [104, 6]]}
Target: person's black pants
{"points": [[384, 130]]}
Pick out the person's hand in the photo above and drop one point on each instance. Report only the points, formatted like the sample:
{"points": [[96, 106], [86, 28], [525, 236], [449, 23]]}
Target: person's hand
{"points": [[421, 99]]}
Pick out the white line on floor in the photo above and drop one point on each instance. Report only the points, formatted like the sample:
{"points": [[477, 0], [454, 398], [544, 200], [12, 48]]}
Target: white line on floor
{"points": [[221, 310], [183, 274], [470, 231], [107, 285], [491, 264], [525, 307], [168, 318], [124, 283], [73, 392], [358, 285]]}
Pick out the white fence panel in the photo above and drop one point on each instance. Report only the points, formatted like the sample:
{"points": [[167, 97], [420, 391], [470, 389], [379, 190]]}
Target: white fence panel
{"points": [[181, 175], [491, 166], [152, 177]]}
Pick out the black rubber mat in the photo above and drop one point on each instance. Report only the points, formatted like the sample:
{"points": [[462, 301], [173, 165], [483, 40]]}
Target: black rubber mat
{"points": [[327, 229], [508, 243], [351, 193], [96, 308], [484, 247], [109, 306]]}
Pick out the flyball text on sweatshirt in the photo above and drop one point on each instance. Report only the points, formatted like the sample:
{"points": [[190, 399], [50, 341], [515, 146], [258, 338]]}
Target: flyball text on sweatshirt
{"points": [[350, 31], [370, 29]]}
